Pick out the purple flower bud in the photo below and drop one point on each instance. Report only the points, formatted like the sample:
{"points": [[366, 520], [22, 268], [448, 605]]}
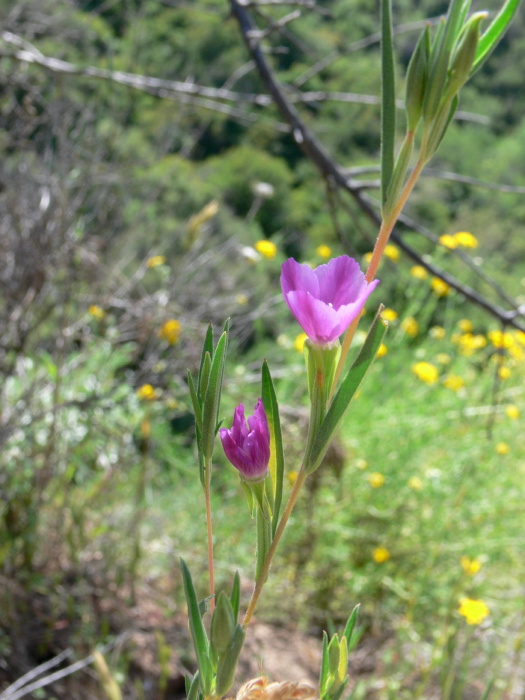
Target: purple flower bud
{"points": [[248, 446], [326, 300]]}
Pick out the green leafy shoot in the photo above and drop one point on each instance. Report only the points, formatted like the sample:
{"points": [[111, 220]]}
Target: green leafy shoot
{"points": [[276, 464], [388, 99], [494, 32]]}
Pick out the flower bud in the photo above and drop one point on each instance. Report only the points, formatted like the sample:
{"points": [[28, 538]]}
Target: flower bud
{"points": [[222, 624], [464, 55], [248, 446], [416, 80]]}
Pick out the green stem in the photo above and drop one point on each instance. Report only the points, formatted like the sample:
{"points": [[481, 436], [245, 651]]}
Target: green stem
{"points": [[387, 225], [263, 575], [207, 498]]}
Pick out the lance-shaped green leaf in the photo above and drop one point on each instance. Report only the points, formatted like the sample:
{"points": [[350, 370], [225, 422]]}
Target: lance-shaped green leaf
{"points": [[197, 408], [213, 394], [350, 626], [197, 631], [192, 687], [388, 98], [228, 663], [276, 464], [495, 31], [345, 393]]}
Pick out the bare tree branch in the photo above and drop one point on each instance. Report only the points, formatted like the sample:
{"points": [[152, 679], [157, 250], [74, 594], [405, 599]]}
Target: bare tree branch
{"points": [[331, 170]]}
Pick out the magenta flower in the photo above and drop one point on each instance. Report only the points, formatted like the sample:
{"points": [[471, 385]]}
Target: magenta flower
{"points": [[326, 300], [248, 446]]}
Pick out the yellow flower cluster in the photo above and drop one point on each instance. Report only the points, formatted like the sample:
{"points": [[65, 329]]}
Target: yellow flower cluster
{"points": [[97, 312], [453, 382], [299, 342], [502, 448], [438, 332], [389, 314], [415, 483], [513, 412], [474, 611], [419, 272], [461, 239], [439, 287], [147, 392], [426, 372], [323, 251], [470, 566], [376, 480], [155, 261], [392, 252], [380, 555], [468, 343], [170, 331], [382, 351], [410, 326], [266, 248]]}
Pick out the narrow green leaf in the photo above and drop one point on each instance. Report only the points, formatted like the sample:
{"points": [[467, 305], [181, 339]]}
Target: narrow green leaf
{"points": [[346, 392], [388, 98], [207, 347], [222, 625], [213, 393], [464, 12], [204, 377], [487, 690], [323, 675], [494, 32], [197, 408], [197, 631], [349, 628], [235, 597], [271, 407], [192, 687]]}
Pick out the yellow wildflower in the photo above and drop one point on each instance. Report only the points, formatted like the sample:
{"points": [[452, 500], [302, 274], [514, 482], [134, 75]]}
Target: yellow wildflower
{"points": [[448, 241], [470, 566], [170, 331], [426, 372], [513, 412], [97, 312], [469, 343], [367, 257], [389, 314], [419, 272], [267, 249], [382, 351], [502, 448], [504, 372], [415, 483], [453, 382], [155, 261], [299, 342], [465, 325], [323, 251], [465, 239], [500, 340], [437, 332], [292, 476], [520, 337], [439, 287], [380, 555], [474, 611], [410, 326], [376, 480], [392, 252], [146, 392]]}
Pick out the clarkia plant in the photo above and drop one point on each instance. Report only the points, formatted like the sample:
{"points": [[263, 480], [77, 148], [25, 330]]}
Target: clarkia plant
{"points": [[327, 302]]}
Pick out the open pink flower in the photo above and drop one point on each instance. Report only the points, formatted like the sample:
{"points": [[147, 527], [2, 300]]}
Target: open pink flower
{"points": [[248, 446], [326, 300]]}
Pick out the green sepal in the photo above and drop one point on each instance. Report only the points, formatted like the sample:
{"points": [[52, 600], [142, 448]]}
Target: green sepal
{"points": [[235, 597], [345, 393], [323, 675], [494, 33], [212, 398], [249, 496], [276, 464], [197, 631], [222, 625], [228, 663], [440, 126]]}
